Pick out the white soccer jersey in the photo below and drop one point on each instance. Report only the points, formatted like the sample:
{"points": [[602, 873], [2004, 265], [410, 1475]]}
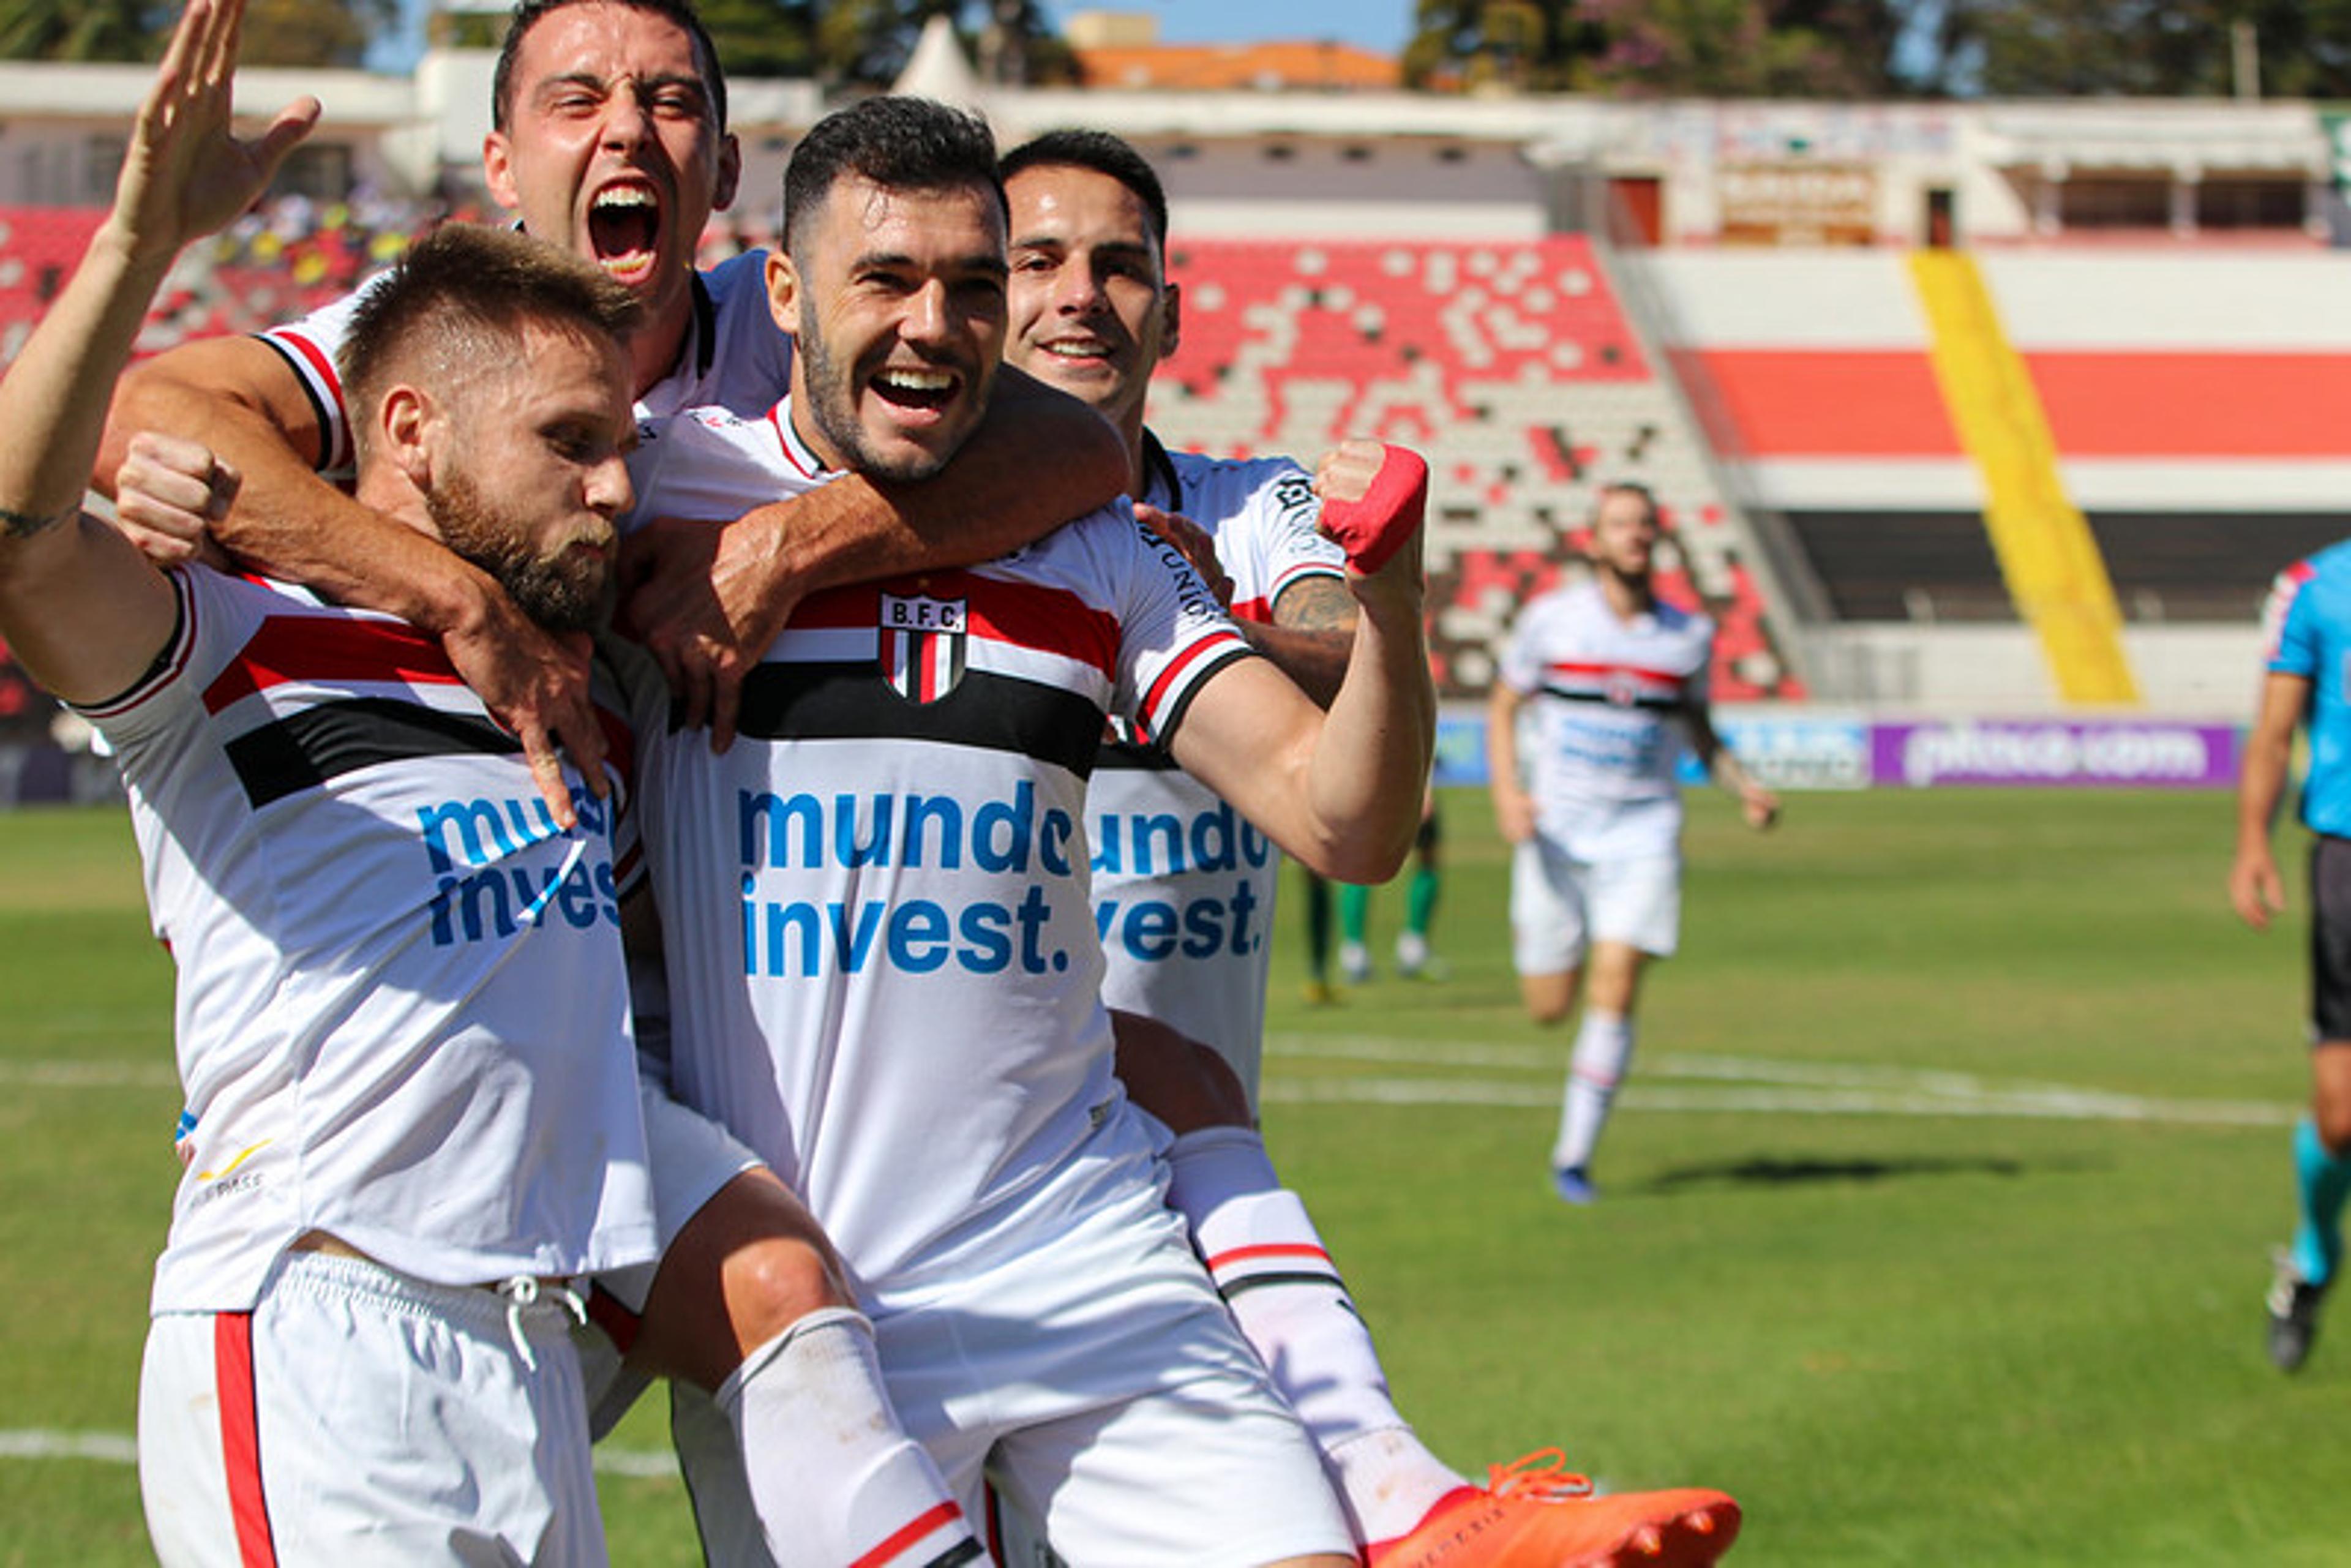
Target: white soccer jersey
{"points": [[402, 1014], [1603, 727], [734, 357], [885, 881], [1184, 885]]}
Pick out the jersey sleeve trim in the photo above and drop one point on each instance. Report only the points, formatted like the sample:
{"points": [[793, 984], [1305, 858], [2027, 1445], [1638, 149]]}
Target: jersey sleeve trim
{"points": [[314, 368], [1171, 695], [170, 664]]}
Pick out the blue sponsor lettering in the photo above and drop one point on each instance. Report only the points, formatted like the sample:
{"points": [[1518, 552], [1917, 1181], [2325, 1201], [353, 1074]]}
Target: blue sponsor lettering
{"points": [[782, 832], [803, 939], [1160, 844], [1154, 930], [475, 899]]}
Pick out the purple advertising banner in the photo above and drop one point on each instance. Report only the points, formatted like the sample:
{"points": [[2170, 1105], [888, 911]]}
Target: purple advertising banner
{"points": [[2137, 753]]}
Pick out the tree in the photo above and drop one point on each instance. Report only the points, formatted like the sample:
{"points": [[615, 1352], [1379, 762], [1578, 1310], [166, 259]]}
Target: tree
{"points": [[1729, 48], [79, 30], [2143, 47], [313, 32], [276, 32]]}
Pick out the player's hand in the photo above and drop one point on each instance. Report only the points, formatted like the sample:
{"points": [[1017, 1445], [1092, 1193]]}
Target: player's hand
{"points": [[1514, 813], [184, 174], [1374, 498], [1757, 805], [535, 683], [1192, 541], [2255, 889], [706, 599], [168, 494]]}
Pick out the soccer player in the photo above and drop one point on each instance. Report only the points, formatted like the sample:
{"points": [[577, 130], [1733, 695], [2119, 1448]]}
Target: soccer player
{"points": [[1184, 888], [883, 885], [1611, 683], [1414, 958], [609, 138], [2309, 635], [359, 1350]]}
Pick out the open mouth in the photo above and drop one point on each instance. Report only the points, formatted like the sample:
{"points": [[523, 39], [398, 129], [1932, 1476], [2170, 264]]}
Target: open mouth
{"points": [[625, 228], [916, 391]]}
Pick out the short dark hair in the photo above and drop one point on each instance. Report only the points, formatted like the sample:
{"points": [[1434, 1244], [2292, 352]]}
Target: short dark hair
{"points": [[899, 142], [470, 289], [1649, 497], [1105, 155], [530, 13]]}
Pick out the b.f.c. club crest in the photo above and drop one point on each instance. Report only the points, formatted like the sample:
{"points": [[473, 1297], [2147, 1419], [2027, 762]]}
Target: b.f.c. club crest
{"points": [[922, 646]]}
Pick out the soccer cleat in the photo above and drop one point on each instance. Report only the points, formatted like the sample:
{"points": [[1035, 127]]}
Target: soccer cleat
{"points": [[1413, 960], [1354, 963], [1534, 1513], [1318, 993], [1574, 1184], [2293, 1304]]}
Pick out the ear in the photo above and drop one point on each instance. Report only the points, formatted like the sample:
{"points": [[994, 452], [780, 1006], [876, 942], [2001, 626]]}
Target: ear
{"points": [[1171, 320], [497, 171], [784, 291], [408, 430], [730, 173]]}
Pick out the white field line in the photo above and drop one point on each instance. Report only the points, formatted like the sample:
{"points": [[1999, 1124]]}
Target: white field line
{"points": [[88, 1075], [120, 1448], [1747, 1086]]}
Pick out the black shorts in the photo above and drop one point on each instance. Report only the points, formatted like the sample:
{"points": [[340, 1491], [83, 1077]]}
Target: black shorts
{"points": [[2330, 939]]}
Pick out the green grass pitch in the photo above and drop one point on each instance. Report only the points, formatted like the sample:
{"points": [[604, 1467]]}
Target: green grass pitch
{"points": [[1934, 1224]]}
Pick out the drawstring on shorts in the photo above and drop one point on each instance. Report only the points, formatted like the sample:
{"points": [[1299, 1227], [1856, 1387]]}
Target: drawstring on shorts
{"points": [[525, 1291]]}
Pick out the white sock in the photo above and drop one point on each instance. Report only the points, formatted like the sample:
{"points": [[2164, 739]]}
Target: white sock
{"points": [[1604, 1048], [833, 1477], [1283, 1291]]}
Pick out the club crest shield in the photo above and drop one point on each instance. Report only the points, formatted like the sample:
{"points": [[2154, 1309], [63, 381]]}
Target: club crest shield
{"points": [[922, 646]]}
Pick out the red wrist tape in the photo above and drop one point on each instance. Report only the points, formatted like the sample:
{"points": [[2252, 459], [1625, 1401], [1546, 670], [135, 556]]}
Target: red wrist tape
{"points": [[1372, 529]]}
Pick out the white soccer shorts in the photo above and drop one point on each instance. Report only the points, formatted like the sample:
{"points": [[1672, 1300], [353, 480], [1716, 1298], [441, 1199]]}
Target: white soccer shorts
{"points": [[1097, 1381], [690, 1157], [364, 1419], [1561, 905]]}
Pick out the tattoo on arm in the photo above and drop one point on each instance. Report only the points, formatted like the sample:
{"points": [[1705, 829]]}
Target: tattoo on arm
{"points": [[15, 525], [1315, 604]]}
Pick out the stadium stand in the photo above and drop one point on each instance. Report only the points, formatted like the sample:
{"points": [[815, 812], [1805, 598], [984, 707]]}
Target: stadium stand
{"points": [[1514, 366]]}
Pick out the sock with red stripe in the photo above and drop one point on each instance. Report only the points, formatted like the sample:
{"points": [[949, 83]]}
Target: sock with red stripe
{"points": [[1274, 1274], [1604, 1050], [827, 1460]]}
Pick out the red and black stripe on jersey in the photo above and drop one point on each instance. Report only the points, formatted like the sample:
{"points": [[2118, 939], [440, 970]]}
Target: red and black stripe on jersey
{"points": [[1615, 684], [325, 734], [833, 698]]}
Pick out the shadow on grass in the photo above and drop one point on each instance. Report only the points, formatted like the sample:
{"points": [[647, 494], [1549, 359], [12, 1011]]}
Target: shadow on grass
{"points": [[1795, 1172]]}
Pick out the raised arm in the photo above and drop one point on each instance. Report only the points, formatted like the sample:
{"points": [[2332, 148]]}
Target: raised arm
{"points": [[83, 613], [2255, 889], [1342, 791], [708, 601]]}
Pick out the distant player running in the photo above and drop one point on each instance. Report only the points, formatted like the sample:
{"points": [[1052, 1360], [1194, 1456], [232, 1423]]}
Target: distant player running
{"points": [[1183, 890], [2309, 624], [1597, 690]]}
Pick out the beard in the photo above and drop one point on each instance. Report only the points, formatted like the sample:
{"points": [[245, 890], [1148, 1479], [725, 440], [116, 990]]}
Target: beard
{"points": [[832, 407], [561, 591]]}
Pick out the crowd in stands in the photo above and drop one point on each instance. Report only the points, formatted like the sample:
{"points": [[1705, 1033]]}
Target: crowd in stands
{"points": [[1513, 367]]}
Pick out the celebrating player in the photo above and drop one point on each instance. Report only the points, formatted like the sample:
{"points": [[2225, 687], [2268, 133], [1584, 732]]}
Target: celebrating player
{"points": [[1612, 680], [359, 1350], [1183, 891], [610, 139], [883, 882]]}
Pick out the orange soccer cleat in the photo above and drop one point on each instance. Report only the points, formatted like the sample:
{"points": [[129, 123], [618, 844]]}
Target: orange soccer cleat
{"points": [[1534, 1513]]}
